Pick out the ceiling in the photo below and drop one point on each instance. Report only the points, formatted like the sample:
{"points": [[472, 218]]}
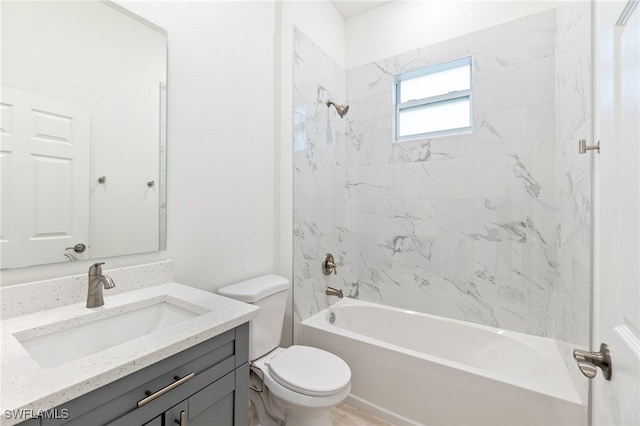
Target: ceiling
{"points": [[349, 8]]}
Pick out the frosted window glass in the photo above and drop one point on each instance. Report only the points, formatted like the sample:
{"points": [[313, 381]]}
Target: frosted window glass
{"points": [[434, 117], [437, 83]]}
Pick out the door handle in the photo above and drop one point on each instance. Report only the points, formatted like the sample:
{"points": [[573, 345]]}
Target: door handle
{"points": [[589, 362], [78, 248]]}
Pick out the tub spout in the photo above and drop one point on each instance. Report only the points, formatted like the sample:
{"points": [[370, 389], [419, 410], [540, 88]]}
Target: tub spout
{"points": [[330, 291]]}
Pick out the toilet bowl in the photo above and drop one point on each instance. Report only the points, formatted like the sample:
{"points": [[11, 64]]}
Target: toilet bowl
{"points": [[303, 384], [294, 386]]}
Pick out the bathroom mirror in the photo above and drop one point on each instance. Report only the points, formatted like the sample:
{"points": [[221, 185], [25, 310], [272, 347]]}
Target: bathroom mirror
{"points": [[83, 135]]}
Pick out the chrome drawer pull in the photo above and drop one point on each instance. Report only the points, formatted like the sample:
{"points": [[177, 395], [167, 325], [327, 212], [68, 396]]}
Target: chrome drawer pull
{"points": [[151, 396], [183, 418]]}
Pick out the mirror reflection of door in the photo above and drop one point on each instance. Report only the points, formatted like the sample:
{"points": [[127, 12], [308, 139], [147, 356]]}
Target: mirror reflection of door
{"points": [[45, 179], [111, 63]]}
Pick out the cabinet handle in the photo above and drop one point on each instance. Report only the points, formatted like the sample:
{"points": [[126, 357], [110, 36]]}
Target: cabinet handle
{"points": [[183, 418], [151, 396]]}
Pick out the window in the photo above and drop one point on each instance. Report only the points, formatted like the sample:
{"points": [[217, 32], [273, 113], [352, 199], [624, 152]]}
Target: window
{"points": [[433, 101]]}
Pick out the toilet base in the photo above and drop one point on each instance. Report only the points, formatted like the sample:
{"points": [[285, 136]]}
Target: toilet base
{"points": [[269, 410]]}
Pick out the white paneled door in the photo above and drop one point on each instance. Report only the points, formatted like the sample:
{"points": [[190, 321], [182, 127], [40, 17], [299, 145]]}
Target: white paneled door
{"points": [[617, 294], [44, 154]]}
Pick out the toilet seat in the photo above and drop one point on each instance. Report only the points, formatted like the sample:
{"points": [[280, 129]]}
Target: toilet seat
{"points": [[310, 371]]}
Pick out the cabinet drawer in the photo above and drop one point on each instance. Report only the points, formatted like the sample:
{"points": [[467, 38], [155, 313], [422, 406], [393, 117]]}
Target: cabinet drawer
{"points": [[221, 403], [209, 360]]}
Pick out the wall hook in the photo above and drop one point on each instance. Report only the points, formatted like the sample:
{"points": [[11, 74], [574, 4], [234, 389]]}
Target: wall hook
{"points": [[583, 147], [102, 179]]}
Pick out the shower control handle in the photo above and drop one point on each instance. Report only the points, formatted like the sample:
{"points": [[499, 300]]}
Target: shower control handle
{"points": [[329, 265], [589, 362]]}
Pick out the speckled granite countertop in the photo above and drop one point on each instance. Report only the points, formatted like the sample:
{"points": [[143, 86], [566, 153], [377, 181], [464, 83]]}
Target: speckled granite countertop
{"points": [[25, 385]]}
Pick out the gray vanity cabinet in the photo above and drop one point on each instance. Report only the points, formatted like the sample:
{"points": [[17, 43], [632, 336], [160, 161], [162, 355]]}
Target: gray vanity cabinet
{"points": [[213, 390]]}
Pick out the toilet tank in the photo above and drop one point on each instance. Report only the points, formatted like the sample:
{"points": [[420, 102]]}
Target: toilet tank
{"points": [[269, 293]]}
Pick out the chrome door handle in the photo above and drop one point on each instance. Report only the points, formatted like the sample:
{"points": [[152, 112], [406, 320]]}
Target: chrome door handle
{"points": [[78, 248], [151, 396], [589, 362]]}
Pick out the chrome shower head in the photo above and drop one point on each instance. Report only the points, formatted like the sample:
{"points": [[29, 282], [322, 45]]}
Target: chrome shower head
{"points": [[341, 109]]}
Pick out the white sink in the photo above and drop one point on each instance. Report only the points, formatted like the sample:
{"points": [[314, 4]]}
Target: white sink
{"points": [[59, 347]]}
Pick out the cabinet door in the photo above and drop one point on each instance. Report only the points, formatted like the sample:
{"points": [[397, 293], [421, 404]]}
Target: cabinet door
{"points": [[176, 415], [155, 422], [214, 405], [225, 402]]}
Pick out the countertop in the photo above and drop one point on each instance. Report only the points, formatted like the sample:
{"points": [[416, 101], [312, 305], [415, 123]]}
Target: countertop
{"points": [[25, 385]]}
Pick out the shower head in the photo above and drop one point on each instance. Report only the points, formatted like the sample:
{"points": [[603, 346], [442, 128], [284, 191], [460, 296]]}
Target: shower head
{"points": [[341, 109]]}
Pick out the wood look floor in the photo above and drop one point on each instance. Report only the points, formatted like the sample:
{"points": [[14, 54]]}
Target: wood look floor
{"points": [[345, 415]]}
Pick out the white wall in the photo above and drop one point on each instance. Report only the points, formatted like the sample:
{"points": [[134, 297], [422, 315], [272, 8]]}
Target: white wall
{"points": [[220, 138], [221, 209], [400, 26]]}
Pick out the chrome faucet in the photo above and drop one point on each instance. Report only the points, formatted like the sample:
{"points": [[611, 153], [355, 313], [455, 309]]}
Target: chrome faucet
{"points": [[94, 296], [330, 291]]}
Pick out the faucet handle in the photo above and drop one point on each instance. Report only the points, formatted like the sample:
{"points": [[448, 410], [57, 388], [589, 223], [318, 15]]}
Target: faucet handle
{"points": [[329, 265], [96, 268]]}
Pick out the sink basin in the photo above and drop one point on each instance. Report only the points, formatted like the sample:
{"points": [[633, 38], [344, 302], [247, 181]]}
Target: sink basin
{"points": [[59, 347]]}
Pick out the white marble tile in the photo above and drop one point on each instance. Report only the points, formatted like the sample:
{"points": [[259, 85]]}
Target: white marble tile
{"points": [[369, 182], [313, 218], [434, 179], [540, 128], [500, 89], [483, 226], [541, 36], [500, 46], [481, 219]]}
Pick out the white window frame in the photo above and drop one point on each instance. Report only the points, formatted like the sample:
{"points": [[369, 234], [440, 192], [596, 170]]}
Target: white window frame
{"points": [[399, 106]]}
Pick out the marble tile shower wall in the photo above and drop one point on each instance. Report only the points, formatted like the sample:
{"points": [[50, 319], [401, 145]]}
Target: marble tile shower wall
{"points": [[490, 227], [318, 172], [460, 226]]}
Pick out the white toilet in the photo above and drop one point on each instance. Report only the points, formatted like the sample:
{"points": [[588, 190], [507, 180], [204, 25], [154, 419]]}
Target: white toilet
{"points": [[295, 386]]}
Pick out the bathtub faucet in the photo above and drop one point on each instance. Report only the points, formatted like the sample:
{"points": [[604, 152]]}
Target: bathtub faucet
{"points": [[330, 291]]}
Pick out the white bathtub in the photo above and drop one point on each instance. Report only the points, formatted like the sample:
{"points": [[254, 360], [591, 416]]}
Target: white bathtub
{"points": [[413, 368]]}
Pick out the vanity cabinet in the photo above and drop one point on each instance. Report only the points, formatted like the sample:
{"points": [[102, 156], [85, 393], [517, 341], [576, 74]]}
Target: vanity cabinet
{"points": [[207, 384]]}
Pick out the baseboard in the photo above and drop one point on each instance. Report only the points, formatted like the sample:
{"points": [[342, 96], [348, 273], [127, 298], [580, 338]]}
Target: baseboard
{"points": [[384, 414]]}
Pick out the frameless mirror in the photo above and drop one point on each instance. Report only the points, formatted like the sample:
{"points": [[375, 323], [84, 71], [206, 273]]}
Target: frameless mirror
{"points": [[83, 133]]}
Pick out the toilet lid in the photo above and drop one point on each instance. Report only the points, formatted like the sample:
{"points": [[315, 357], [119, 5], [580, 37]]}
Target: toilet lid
{"points": [[310, 371]]}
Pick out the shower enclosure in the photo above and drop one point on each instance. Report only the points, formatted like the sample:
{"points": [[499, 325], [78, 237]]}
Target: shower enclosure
{"points": [[491, 227]]}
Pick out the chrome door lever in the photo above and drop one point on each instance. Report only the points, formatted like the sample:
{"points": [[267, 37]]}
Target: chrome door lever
{"points": [[588, 362], [78, 248]]}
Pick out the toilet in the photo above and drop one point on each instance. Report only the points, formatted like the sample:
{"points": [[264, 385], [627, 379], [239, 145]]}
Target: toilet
{"points": [[294, 386]]}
